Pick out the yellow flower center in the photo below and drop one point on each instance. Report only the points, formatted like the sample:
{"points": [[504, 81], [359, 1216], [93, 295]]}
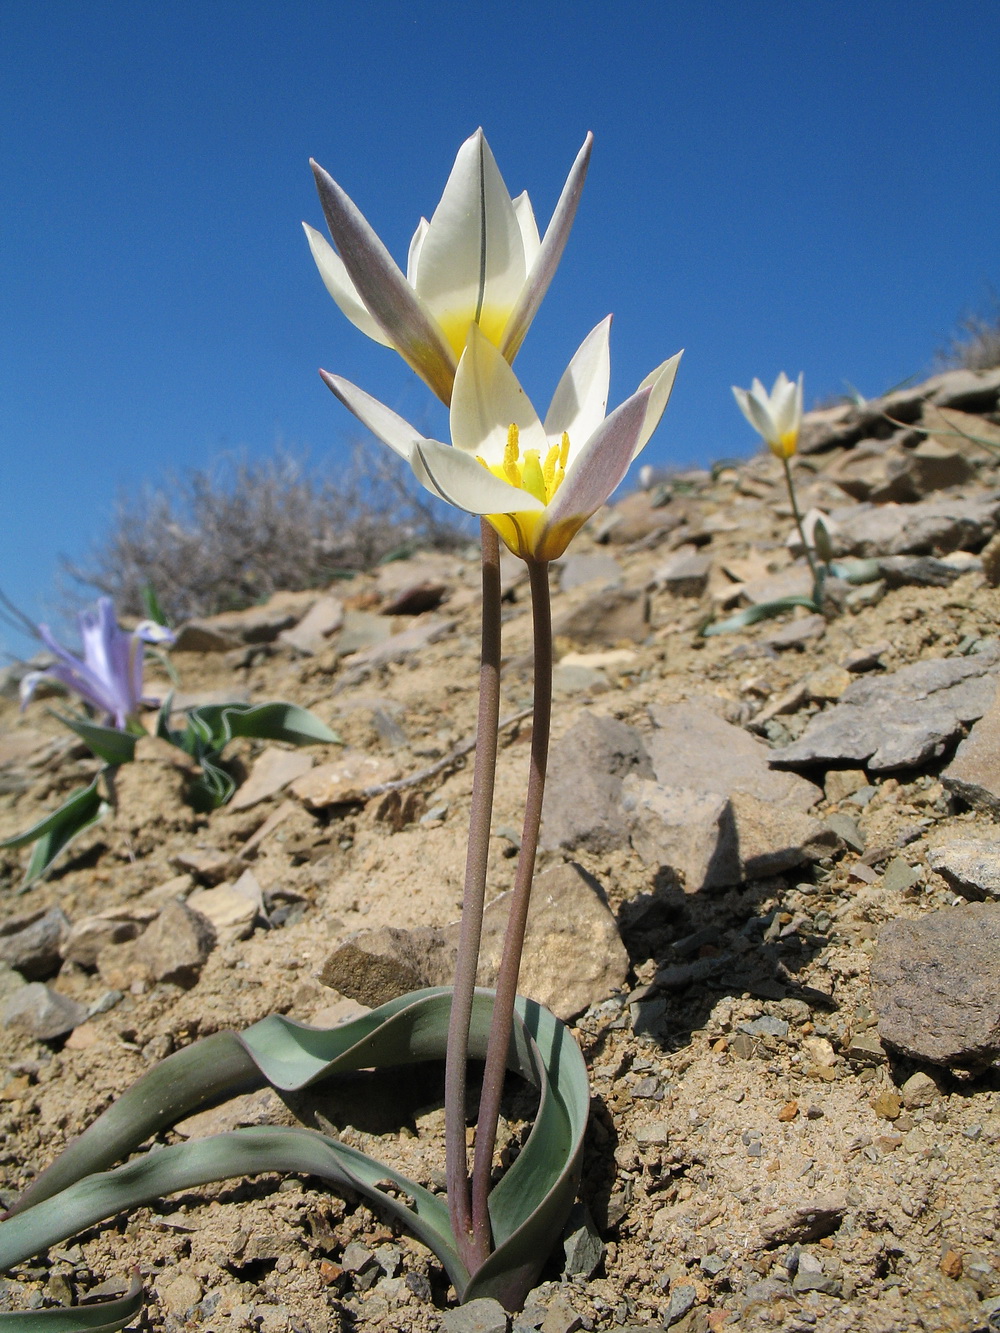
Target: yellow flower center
{"points": [[530, 473]]}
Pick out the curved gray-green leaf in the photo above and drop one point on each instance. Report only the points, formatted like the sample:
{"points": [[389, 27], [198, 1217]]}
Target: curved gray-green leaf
{"points": [[528, 1207], [101, 1317]]}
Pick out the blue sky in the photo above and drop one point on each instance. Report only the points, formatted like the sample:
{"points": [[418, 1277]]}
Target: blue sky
{"points": [[797, 185]]}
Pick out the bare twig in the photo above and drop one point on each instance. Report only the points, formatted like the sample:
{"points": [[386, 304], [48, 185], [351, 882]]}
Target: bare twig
{"points": [[452, 757]]}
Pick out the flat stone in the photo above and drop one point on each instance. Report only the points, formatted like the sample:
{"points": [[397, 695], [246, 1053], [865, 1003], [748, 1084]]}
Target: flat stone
{"points": [[901, 719], [971, 866], [343, 781], [173, 949], [573, 955], [795, 580], [41, 1012], [271, 773], [865, 657], [806, 1220], [926, 528], [974, 773], [362, 630], [685, 573], [930, 466], [484, 1315], [577, 569], [311, 635], [197, 636], [399, 646], [582, 1244], [233, 909], [262, 624], [936, 985], [609, 618], [953, 428], [920, 571], [32, 944], [207, 864], [583, 794], [795, 633]]}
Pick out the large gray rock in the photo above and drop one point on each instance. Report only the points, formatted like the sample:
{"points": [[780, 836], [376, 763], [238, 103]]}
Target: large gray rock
{"points": [[583, 794], [932, 526], [974, 773], [902, 719], [573, 955], [936, 986], [971, 866]]}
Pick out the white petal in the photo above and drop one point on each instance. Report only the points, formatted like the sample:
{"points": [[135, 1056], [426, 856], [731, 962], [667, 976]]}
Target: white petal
{"points": [[550, 252], [415, 247], [339, 285], [530, 239], [466, 484], [471, 261], [397, 309], [581, 397], [486, 400], [601, 464], [758, 416], [660, 383], [380, 420]]}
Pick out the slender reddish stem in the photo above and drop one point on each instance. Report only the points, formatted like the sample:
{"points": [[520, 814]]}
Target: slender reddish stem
{"points": [[510, 964], [470, 931]]}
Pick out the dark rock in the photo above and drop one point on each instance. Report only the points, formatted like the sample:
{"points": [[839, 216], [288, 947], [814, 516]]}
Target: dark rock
{"points": [[584, 789], [197, 636], [415, 600], [31, 945], [42, 1013], [936, 985], [582, 1245], [922, 571], [684, 573], [901, 719]]}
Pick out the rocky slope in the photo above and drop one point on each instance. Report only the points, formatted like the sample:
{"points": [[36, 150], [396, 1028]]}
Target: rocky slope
{"points": [[768, 902]]}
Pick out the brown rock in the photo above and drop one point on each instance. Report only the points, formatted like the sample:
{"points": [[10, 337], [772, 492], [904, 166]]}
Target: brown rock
{"points": [[274, 770], [613, 616], [232, 909], [90, 935], [936, 985], [344, 781], [573, 955], [173, 949], [990, 556], [814, 1217], [207, 864], [311, 634]]}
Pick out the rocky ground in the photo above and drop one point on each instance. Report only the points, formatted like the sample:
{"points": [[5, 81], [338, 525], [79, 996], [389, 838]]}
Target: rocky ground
{"points": [[768, 903]]}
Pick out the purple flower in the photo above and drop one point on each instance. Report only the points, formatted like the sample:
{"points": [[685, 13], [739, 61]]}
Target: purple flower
{"points": [[109, 677]]}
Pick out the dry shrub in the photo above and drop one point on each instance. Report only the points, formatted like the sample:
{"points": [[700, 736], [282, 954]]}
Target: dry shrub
{"points": [[976, 345], [228, 536]]}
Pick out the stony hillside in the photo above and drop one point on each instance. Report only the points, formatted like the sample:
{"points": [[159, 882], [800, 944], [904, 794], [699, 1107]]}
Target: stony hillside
{"points": [[768, 902]]}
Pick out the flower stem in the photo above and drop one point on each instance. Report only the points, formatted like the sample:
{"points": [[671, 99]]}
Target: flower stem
{"points": [[470, 931], [510, 963], [817, 583]]}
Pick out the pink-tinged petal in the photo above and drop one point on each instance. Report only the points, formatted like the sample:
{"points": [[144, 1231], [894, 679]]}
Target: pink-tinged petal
{"points": [[471, 262], [380, 420], [581, 397], [758, 416], [414, 255], [660, 383], [341, 288], [466, 484], [530, 238], [486, 400], [601, 464], [549, 254], [412, 329]]}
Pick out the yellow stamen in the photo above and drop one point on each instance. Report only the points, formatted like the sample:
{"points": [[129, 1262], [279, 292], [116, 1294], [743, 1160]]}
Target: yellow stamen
{"points": [[532, 479], [549, 469], [510, 455], [564, 450]]}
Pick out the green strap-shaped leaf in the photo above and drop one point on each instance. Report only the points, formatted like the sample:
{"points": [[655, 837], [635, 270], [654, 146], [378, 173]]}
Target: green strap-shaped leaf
{"points": [[108, 743], [750, 615], [53, 834], [101, 1317], [528, 1207], [265, 722]]}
